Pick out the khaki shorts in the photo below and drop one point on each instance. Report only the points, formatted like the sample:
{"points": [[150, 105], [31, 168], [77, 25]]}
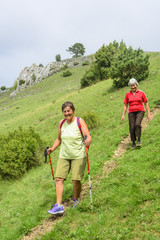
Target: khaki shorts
{"points": [[77, 167]]}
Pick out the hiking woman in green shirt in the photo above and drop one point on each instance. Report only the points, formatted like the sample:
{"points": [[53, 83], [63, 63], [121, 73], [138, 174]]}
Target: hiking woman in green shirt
{"points": [[72, 156]]}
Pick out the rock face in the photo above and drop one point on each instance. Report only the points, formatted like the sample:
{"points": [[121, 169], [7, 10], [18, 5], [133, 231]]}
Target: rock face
{"points": [[3, 91], [35, 74]]}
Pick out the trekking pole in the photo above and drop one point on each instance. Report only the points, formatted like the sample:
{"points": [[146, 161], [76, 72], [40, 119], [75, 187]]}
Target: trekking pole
{"points": [[52, 170], [89, 176]]}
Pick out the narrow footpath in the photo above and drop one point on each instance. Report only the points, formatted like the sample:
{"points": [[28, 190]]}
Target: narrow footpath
{"points": [[109, 166]]}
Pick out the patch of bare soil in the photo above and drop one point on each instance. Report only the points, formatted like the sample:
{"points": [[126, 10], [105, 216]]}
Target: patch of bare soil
{"points": [[109, 166]]}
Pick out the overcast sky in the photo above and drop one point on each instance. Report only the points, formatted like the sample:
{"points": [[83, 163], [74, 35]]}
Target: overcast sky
{"points": [[35, 31]]}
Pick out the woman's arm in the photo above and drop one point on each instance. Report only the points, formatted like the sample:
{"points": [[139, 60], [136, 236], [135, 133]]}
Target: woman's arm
{"points": [[148, 111], [85, 132], [124, 111], [56, 143]]}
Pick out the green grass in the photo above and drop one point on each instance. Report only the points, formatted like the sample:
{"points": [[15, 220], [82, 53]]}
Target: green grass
{"points": [[126, 203]]}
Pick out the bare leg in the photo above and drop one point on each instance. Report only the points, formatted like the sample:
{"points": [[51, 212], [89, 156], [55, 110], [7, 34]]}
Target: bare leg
{"points": [[59, 189], [76, 188]]}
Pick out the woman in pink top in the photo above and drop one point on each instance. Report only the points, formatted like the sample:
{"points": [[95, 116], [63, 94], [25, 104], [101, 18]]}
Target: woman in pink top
{"points": [[135, 99]]}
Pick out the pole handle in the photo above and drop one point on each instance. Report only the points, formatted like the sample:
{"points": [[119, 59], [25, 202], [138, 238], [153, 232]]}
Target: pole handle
{"points": [[45, 154]]}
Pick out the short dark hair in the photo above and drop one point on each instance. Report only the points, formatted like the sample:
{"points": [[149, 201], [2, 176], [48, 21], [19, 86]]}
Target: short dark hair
{"points": [[68, 104]]}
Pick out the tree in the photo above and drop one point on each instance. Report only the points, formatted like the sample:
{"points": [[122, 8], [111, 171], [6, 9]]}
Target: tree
{"points": [[118, 62], [77, 50], [58, 58], [104, 58], [129, 64], [100, 69], [3, 88]]}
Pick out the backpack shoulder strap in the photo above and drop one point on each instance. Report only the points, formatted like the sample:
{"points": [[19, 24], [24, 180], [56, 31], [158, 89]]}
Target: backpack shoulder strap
{"points": [[79, 125], [62, 122]]}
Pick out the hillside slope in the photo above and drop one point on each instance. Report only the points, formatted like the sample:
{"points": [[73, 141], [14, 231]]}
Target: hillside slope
{"points": [[125, 202]]}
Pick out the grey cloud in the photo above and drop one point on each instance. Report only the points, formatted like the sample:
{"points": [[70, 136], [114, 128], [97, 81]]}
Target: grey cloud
{"points": [[35, 31]]}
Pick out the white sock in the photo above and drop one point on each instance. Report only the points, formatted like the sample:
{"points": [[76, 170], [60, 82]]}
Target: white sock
{"points": [[60, 205]]}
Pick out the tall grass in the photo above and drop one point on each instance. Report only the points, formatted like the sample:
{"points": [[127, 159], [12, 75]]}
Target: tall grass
{"points": [[125, 202]]}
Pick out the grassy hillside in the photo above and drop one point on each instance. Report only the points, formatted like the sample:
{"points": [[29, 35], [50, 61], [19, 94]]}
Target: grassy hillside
{"points": [[126, 203]]}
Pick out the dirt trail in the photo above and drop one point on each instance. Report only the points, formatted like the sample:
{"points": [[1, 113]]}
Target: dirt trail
{"points": [[109, 166]]}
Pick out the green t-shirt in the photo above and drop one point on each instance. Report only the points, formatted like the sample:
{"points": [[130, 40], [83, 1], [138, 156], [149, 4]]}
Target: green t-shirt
{"points": [[72, 146]]}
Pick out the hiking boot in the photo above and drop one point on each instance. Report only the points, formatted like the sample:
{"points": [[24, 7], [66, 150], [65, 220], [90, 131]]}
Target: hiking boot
{"points": [[75, 203], [56, 209], [133, 145], [138, 144]]}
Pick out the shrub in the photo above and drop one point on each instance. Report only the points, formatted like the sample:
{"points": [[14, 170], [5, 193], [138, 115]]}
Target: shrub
{"points": [[21, 82], [75, 63], [85, 63], [90, 77], [41, 65], [64, 67], [66, 73], [3, 88], [91, 120], [20, 150]]}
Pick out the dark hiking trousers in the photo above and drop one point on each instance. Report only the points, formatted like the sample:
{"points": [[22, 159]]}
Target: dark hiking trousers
{"points": [[135, 119]]}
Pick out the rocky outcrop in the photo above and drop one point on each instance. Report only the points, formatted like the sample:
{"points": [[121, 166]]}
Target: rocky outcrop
{"points": [[3, 91], [35, 74]]}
